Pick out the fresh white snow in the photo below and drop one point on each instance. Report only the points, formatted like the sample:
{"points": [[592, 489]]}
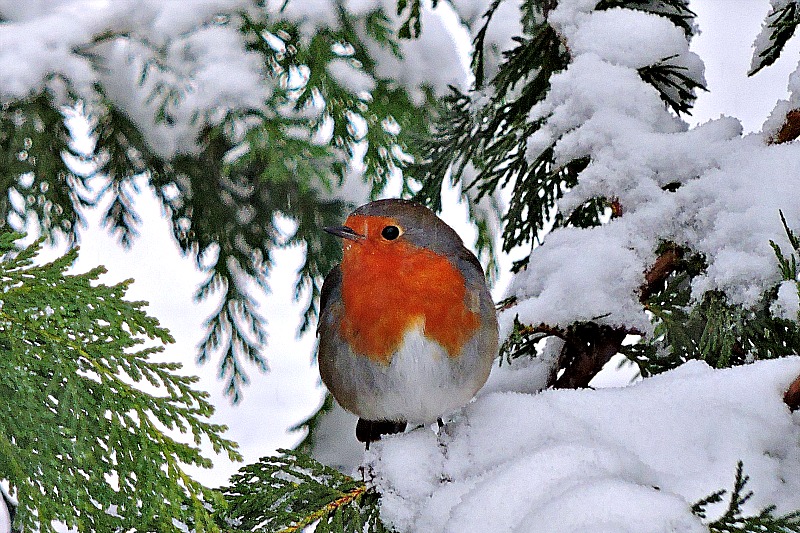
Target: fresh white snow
{"points": [[621, 459], [727, 207], [631, 459]]}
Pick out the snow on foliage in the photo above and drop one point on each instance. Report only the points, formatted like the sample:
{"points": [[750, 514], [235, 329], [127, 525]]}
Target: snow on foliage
{"points": [[135, 51], [145, 53], [246, 111], [633, 459], [727, 205]]}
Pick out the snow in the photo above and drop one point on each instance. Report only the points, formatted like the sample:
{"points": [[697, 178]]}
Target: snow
{"points": [[5, 519], [787, 305], [347, 75], [762, 41], [432, 60], [194, 58], [607, 34], [505, 25], [726, 208], [581, 275], [633, 458], [627, 459]]}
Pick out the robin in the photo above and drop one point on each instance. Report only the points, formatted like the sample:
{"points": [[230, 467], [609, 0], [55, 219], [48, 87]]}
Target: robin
{"points": [[407, 329]]}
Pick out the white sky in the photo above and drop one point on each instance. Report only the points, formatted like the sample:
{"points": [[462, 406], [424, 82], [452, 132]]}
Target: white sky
{"points": [[728, 28], [290, 392]]}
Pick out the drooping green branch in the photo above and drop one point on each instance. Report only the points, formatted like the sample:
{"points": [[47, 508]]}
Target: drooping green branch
{"points": [[79, 434]]}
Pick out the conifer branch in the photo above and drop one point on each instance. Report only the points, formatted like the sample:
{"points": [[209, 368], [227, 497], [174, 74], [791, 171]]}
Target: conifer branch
{"points": [[587, 349], [290, 492], [781, 24], [674, 84], [69, 350], [344, 500], [665, 264], [734, 520]]}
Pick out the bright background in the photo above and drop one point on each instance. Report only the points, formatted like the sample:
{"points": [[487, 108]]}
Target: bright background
{"points": [[274, 402]]}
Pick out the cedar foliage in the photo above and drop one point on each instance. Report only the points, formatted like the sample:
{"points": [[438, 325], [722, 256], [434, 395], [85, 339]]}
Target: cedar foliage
{"points": [[483, 147], [81, 440], [781, 24], [252, 168], [288, 492]]}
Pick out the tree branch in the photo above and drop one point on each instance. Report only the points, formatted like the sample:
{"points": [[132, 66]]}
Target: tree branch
{"points": [[790, 129], [659, 272], [587, 349], [792, 396], [789, 132]]}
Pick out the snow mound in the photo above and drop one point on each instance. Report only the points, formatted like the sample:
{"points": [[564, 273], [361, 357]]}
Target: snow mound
{"points": [[632, 459]]}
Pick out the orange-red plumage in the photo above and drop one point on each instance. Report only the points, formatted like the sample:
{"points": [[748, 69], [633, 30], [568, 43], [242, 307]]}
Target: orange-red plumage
{"points": [[390, 287], [407, 329]]}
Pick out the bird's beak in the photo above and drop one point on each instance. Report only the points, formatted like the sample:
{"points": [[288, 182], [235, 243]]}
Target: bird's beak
{"points": [[344, 232]]}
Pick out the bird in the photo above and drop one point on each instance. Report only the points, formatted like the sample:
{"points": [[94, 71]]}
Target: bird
{"points": [[407, 327]]}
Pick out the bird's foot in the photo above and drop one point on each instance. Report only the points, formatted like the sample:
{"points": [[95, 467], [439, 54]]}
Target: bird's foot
{"points": [[368, 431], [367, 473]]}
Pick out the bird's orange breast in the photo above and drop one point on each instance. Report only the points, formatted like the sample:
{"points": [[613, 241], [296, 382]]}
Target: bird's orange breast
{"points": [[391, 287]]}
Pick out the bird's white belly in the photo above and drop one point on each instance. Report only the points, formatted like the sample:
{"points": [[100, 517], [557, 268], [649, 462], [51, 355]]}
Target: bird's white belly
{"points": [[419, 385]]}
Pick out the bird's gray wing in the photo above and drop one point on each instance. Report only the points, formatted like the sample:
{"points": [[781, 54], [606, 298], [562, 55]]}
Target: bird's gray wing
{"points": [[330, 286]]}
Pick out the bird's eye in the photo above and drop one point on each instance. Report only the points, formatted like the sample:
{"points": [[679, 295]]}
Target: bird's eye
{"points": [[390, 233]]}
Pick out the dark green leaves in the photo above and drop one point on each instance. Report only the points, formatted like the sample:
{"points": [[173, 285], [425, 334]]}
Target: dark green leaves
{"points": [[788, 265], [734, 519], [33, 143], [781, 24], [253, 170], [292, 491], [493, 138], [488, 130], [227, 217], [720, 333], [673, 83], [121, 154], [79, 436]]}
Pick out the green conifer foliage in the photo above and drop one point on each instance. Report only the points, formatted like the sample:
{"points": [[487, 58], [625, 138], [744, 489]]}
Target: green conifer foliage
{"points": [[250, 168], [734, 519], [781, 23], [89, 418], [286, 493], [33, 143]]}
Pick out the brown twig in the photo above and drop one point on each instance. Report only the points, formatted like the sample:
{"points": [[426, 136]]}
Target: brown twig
{"points": [[616, 207], [792, 396], [790, 129], [655, 277], [587, 348], [545, 330]]}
